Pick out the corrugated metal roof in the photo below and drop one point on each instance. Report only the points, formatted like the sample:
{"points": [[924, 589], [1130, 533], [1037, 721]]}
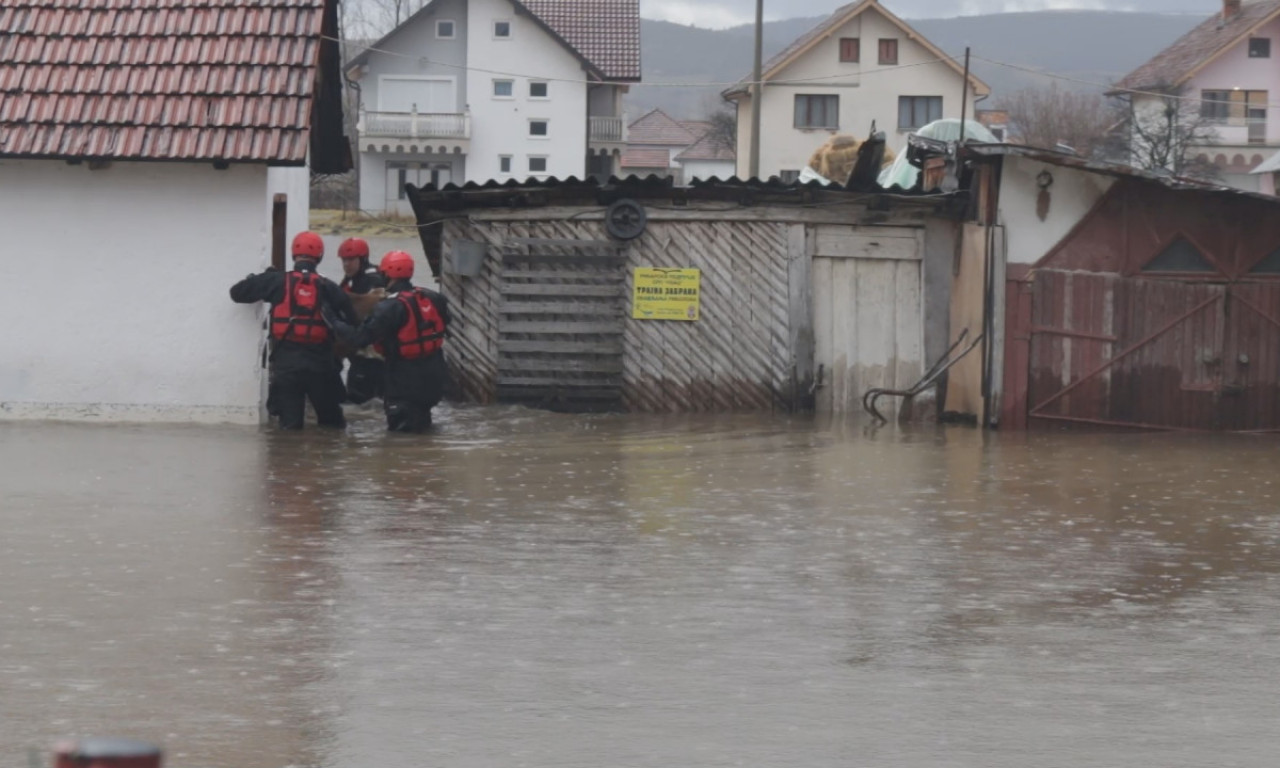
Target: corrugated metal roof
{"points": [[1205, 42], [218, 80]]}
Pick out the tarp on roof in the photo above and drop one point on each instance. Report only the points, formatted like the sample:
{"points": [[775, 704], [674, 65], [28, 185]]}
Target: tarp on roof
{"points": [[903, 174]]}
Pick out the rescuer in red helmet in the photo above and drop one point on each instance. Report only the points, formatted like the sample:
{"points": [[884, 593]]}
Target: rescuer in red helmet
{"points": [[366, 371], [409, 328], [302, 363]]}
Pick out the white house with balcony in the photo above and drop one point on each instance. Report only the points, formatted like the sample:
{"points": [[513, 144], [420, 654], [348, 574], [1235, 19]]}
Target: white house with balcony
{"points": [[1225, 70], [860, 66], [480, 90]]}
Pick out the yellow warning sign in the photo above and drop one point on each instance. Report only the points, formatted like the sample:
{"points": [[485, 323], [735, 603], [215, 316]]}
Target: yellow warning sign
{"points": [[666, 294]]}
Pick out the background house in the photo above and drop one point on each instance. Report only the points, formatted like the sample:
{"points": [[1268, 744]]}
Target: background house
{"points": [[1218, 81], [859, 67], [145, 167], [654, 141], [711, 157], [474, 90]]}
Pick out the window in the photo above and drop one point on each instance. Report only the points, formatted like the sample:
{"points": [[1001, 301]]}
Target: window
{"points": [[850, 49], [444, 30], [537, 90], [504, 89], [402, 178], [502, 30], [813, 111], [537, 127], [537, 165], [1259, 47], [1179, 256], [504, 163], [917, 111], [1269, 265], [1215, 106], [889, 51]]}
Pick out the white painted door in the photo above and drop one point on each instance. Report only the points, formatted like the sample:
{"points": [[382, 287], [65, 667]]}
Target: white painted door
{"points": [[868, 314], [407, 94]]}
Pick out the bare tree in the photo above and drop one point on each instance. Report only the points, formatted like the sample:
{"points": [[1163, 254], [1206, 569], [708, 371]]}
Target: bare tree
{"points": [[371, 19], [1164, 128], [724, 126], [1053, 116]]}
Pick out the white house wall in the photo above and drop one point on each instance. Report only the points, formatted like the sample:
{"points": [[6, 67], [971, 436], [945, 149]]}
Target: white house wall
{"points": [[868, 92], [118, 308], [695, 170], [499, 126], [415, 51], [295, 185], [1071, 196], [376, 187]]}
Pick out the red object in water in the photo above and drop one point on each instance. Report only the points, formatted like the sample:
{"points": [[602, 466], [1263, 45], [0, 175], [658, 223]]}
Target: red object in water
{"points": [[107, 753]]}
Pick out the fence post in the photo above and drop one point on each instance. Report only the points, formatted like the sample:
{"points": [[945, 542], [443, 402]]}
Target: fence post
{"points": [[106, 753]]}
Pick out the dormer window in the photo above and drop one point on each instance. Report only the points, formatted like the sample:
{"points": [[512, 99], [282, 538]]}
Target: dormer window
{"points": [[1259, 47]]}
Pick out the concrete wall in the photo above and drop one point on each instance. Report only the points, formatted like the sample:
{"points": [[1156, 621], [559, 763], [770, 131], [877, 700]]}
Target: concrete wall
{"points": [[1072, 195], [500, 126], [117, 307], [867, 91]]}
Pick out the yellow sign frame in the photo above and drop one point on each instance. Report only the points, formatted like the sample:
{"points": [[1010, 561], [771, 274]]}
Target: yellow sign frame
{"points": [[666, 294]]}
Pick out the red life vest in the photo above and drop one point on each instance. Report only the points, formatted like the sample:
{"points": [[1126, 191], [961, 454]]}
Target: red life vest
{"points": [[423, 332], [297, 318]]}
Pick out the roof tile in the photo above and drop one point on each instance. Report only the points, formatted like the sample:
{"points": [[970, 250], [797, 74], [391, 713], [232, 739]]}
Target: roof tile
{"points": [[158, 79], [605, 32], [1175, 64], [657, 127]]}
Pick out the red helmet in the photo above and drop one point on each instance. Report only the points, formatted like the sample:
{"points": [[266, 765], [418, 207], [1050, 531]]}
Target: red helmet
{"points": [[308, 245], [397, 265], [353, 248]]}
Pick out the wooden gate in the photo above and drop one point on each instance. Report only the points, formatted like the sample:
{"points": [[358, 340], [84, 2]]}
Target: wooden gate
{"points": [[1153, 353], [560, 323]]}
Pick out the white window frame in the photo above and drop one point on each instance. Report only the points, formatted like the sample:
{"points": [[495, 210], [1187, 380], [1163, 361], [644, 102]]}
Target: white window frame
{"points": [[453, 35], [510, 163], [540, 137], [452, 81], [511, 29], [494, 89], [544, 83], [546, 163]]}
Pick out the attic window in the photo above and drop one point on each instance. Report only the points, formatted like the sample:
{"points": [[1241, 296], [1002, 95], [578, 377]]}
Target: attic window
{"points": [[1268, 266], [502, 30], [850, 50], [444, 30], [1259, 47], [889, 51], [1180, 256]]}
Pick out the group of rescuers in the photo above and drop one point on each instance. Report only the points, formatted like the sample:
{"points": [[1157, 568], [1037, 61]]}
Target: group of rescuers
{"points": [[395, 352]]}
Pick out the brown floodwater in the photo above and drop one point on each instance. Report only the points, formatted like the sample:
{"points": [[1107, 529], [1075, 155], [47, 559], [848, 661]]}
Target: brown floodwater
{"points": [[522, 588]]}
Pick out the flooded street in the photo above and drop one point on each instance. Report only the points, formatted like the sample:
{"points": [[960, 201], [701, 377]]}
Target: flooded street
{"points": [[531, 589]]}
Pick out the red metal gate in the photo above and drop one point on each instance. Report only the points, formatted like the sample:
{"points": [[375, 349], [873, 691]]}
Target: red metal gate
{"points": [[1153, 353]]}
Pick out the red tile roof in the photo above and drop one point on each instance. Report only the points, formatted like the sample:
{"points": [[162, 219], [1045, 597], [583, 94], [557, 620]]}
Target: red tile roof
{"points": [[646, 158], [605, 32], [1205, 42], [657, 127], [219, 80], [709, 147]]}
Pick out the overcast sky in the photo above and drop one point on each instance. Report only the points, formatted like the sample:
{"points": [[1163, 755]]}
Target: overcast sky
{"points": [[727, 13]]}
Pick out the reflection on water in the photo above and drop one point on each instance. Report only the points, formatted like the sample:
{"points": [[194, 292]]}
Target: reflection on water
{"points": [[530, 589]]}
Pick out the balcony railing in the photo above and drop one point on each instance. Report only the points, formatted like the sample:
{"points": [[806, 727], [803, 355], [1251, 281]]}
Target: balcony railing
{"points": [[417, 125], [608, 129]]}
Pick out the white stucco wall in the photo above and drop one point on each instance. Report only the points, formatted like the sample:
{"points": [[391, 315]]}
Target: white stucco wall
{"points": [[1234, 70], [295, 185], [118, 305], [415, 51], [695, 170], [1072, 195], [867, 91], [500, 126]]}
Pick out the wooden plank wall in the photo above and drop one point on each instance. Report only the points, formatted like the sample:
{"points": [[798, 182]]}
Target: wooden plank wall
{"points": [[738, 357]]}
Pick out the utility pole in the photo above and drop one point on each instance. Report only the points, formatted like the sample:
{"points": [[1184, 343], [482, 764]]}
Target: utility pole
{"points": [[757, 95]]}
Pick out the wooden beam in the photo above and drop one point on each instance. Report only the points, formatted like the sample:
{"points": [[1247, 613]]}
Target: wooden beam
{"points": [[601, 347], [560, 308], [559, 328], [559, 289]]}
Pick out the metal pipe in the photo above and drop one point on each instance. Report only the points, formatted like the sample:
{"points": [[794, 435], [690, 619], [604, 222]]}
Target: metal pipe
{"points": [[964, 94], [757, 94]]}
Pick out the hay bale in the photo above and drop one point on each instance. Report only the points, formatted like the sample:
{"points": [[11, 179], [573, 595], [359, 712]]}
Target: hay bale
{"points": [[836, 158]]}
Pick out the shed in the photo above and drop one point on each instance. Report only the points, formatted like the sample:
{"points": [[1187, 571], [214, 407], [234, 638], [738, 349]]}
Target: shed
{"points": [[804, 296], [152, 152], [1129, 299]]}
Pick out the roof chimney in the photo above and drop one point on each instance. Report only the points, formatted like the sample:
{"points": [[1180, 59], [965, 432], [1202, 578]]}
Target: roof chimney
{"points": [[1230, 8]]}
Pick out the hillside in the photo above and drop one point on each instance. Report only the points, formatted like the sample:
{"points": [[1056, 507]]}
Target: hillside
{"points": [[1094, 46]]}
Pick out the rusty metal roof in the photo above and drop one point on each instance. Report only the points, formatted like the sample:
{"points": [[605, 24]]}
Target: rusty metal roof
{"points": [[1208, 40], [215, 80]]}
